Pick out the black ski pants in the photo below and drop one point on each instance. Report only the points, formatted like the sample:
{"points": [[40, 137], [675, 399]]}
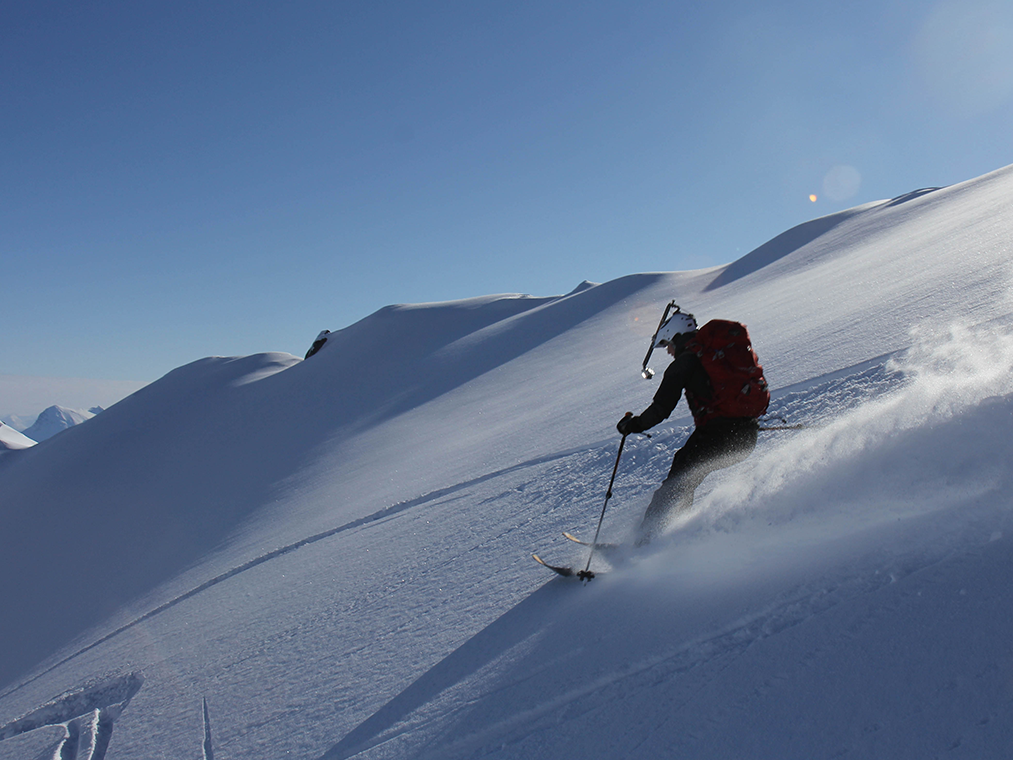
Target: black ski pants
{"points": [[718, 444]]}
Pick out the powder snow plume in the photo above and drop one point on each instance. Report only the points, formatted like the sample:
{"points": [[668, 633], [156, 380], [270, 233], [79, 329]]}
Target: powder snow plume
{"points": [[927, 413]]}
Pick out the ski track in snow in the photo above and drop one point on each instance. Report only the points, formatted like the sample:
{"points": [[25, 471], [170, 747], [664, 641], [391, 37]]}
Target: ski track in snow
{"points": [[397, 729], [393, 722], [378, 516]]}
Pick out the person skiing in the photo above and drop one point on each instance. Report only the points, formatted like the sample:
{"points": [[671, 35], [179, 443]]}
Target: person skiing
{"points": [[726, 393]]}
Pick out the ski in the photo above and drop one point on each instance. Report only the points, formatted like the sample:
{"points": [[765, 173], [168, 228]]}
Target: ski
{"points": [[600, 546], [566, 572]]}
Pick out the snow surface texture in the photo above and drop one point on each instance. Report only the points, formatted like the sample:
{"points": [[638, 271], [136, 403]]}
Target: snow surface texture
{"points": [[331, 558]]}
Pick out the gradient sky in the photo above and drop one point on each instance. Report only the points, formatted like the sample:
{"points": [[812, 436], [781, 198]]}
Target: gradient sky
{"points": [[188, 179]]}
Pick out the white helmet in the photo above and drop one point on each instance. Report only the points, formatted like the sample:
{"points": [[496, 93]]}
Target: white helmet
{"points": [[677, 324]]}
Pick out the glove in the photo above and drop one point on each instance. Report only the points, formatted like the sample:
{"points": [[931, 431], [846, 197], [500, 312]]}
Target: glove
{"points": [[629, 424]]}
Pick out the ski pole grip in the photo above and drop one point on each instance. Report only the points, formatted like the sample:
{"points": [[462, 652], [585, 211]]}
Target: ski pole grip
{"points": [[626, 416]]}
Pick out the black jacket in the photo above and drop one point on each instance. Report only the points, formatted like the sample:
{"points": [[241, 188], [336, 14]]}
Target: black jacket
{"points": [[684, 373]]}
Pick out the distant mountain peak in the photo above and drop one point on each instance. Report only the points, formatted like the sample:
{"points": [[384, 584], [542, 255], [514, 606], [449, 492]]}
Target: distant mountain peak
{"points": [[56, 419]]}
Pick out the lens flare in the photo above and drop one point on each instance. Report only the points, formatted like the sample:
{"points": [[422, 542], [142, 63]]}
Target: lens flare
{"points": [[842, 183], [812, 198]]}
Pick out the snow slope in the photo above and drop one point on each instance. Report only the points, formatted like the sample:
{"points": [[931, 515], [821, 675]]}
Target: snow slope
{"points": [[12, 440], [265, 557]]}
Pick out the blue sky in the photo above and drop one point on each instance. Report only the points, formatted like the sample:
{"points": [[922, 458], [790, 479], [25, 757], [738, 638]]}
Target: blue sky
{"points": [[223, 178]]}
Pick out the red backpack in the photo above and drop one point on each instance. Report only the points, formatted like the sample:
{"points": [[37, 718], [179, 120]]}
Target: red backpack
{"points": [[738, 388]]}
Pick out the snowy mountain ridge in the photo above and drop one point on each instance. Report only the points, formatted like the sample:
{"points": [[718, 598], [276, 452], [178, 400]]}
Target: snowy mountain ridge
{"points": [[330, 558], [13, 440]]}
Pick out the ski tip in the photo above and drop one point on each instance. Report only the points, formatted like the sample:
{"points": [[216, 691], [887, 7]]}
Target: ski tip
{"points": [[603, 546], [564, 571]]}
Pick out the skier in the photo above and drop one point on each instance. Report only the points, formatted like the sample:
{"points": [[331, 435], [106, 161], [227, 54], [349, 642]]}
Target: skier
{"points": [[320, 340], [725, 398]]}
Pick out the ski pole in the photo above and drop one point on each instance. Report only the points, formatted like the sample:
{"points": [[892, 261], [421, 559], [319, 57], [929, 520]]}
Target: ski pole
{"points": [[586, 574]]}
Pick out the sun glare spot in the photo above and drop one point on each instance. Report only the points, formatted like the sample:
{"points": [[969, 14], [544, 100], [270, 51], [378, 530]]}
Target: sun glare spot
{"points": [[812, 198], [842, 183]]}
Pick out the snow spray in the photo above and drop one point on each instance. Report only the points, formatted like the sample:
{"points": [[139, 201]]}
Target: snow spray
{"points": [[934, 437]]}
